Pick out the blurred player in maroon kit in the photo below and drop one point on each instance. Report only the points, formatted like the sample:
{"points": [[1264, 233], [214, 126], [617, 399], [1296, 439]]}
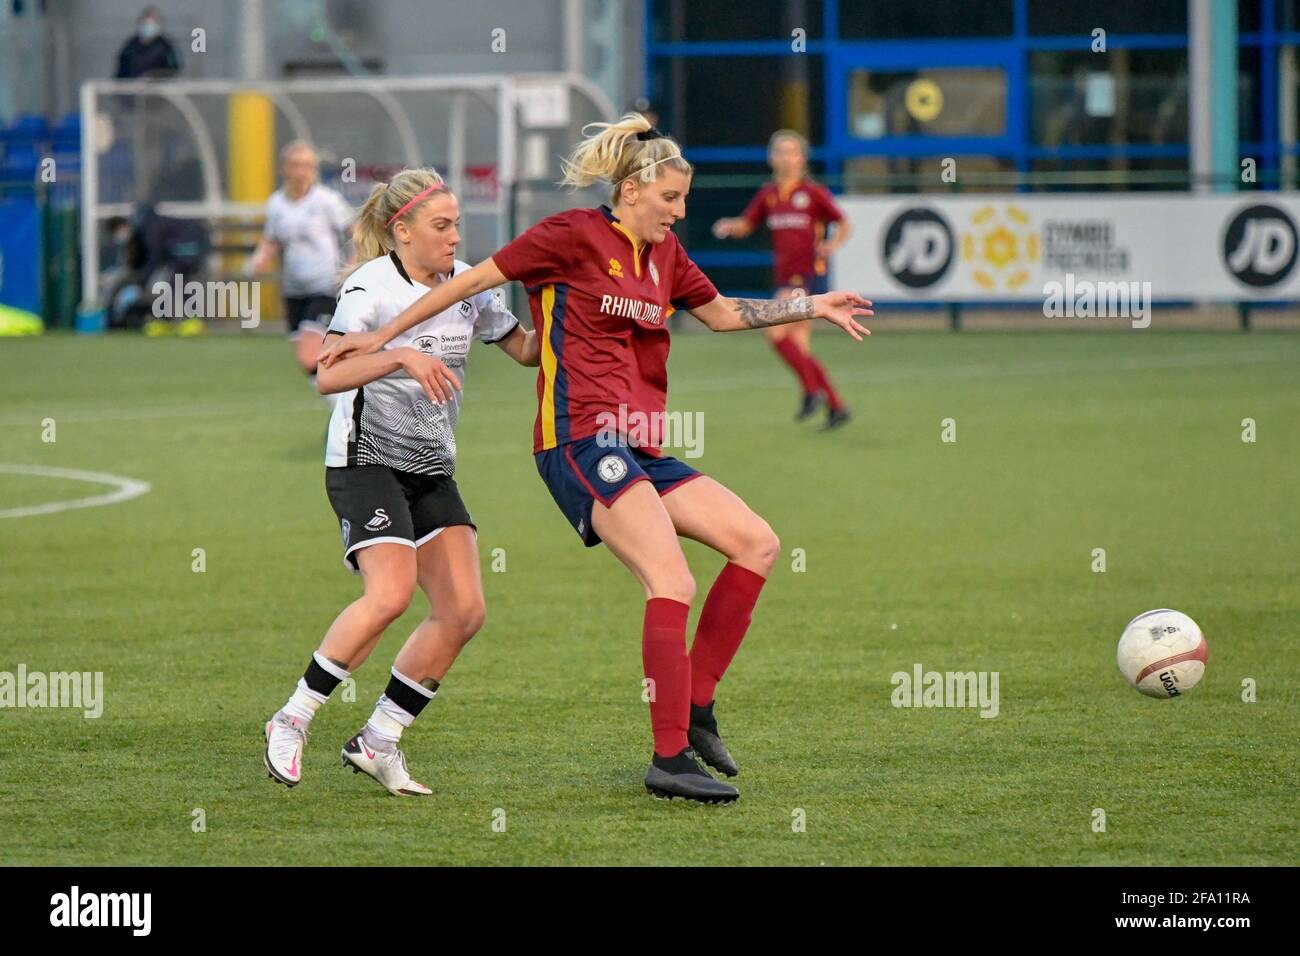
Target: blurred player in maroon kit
{"points": [[796, 211], [600, 284]]}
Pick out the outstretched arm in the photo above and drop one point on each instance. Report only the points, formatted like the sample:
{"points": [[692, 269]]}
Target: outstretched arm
{"points": [[725, 314], [260, 261], [482, 277], [737, 227]]}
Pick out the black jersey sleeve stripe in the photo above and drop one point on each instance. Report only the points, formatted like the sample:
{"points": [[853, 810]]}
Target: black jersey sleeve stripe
{"points": [[357, 405], [501, 338]]}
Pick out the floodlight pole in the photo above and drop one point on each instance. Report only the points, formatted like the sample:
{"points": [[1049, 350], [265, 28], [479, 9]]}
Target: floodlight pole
{"points": [[252, 40], [1212, 107]]}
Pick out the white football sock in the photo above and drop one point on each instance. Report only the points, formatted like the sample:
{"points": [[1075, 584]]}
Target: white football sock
{"points": [[385, 726], [304, 702]]}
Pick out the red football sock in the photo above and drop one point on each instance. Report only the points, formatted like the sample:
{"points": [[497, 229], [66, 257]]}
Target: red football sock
{"points": [[663, 652], [723, 622], [823, 382], [797, 360]]}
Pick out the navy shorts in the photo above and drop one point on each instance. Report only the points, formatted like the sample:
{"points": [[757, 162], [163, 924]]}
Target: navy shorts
{"points": [[585, 471]]}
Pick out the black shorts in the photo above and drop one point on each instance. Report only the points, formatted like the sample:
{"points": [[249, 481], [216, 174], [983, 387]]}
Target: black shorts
{"points": [[376, 504], [308, 313]]}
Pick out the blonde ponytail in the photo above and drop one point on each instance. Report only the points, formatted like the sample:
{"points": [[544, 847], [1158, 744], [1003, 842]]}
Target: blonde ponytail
{"points": [[372, 237], [615, 153]]}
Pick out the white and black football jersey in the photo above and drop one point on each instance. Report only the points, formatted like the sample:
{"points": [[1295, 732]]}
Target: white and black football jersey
{"points": [[391, 421], [310, 232]]}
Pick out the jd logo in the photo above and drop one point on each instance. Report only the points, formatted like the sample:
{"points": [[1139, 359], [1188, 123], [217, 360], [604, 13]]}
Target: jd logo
{"points": [[1259, 245], [918, 248]]}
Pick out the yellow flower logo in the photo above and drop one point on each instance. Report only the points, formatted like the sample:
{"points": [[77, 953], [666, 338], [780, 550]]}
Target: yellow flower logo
{"points": [[1000, 244]]}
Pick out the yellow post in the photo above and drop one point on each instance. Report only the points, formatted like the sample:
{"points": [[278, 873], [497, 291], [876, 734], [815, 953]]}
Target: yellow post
{"points": [[250, 163], [251, 149]]}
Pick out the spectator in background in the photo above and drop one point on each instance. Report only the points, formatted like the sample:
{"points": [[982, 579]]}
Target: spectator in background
{"points": [[149, 53], [308, 226], [151, 249]]}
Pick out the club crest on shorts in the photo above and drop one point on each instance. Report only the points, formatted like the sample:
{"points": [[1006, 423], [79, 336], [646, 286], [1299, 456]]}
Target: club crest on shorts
{"points": [[380, 521], [611, 468], [346, 525]]}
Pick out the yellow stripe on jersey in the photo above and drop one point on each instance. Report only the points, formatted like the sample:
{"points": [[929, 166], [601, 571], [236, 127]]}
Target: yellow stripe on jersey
{"points": [[548, 368], [636, 247]]}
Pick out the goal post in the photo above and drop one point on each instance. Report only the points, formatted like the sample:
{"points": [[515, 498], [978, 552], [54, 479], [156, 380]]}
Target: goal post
{"points": [[168, 143]]}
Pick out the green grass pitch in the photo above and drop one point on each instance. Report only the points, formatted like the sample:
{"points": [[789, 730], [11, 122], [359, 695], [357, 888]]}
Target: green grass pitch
{"points": [[974, 555]]}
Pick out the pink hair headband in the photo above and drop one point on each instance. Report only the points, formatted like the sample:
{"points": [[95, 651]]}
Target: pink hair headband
{"points": [[418, 196]]}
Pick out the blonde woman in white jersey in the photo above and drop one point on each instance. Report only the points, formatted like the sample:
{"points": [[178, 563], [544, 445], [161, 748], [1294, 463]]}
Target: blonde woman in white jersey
{"points": [[390, 465], [307, 225]]}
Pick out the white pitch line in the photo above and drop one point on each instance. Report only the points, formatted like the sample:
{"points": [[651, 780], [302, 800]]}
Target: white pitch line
{"points": [[126, 488]]}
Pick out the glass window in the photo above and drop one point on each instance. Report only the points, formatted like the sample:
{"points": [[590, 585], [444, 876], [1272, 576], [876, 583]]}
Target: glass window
{"points": [[721, 189], [1079, 98], [1248, 105], [700, 20], [1249, 13], [1065, 17], [740, 100], [863, 20], [964, 101]]}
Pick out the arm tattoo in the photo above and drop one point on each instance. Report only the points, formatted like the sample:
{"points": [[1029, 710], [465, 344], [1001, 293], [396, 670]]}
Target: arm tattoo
{"points": [[760, 313]]}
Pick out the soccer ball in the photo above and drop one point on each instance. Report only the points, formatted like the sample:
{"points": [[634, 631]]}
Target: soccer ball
{"points": [[1162, 653]]}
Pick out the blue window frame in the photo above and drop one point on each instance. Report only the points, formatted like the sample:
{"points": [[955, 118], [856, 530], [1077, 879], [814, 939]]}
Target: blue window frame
{"points": [[1010, 53]]}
